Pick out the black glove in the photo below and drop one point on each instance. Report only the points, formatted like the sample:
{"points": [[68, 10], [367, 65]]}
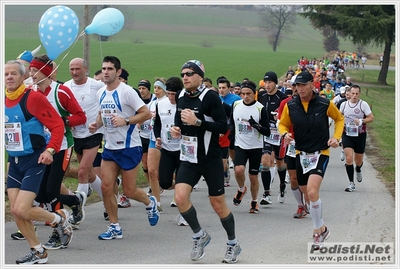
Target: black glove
{"points": [[254, 124]]}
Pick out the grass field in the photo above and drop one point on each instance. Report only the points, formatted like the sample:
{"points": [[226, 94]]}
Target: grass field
{"points": [[157, 40]]}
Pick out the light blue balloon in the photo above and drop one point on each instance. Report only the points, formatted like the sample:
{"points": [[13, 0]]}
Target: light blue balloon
{"points": [[58, 30], [106, 22]]}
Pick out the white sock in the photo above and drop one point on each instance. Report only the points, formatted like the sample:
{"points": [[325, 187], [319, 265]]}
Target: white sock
{"points": [[232, 242], [116, 225], [83, 187], [150, 205], [38, 248], [57, 218], [96, 185], [199, 234], [316, 213]]}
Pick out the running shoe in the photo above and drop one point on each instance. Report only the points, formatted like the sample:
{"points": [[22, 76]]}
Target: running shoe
{"points": [[124, 202], [64, 228], [78, 211], [181, 221], [152, 212], [227, 177], [266, 200], [359, 176], [111, 233], [54, 241], [287, 178], [159, 208], [316, 242], [319, 239], [351, 187], [173, 203], [118, 180], [237, 200], [105, 215], [282, 195], [342, 155], [301, 212], [19, 236], [90, 191], [232, 252], [199, 243], [254, 207], [33, 257]]}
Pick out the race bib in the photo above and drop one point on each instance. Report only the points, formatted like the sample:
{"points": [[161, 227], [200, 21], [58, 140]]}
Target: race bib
{"points": [[167, 137], [13, 137], [188, 149], [309, 161], [291, 150], [274, 138], [351, 129], [107, 116], [244, 127], [145, 128]]}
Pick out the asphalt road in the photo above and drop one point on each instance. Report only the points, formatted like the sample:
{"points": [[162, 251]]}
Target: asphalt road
{"points": [[273, 237]]}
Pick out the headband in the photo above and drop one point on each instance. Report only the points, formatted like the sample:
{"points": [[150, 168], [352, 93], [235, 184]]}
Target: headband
{"points": [[144, 84], [173, 88], [42, 67], [160, 84]]}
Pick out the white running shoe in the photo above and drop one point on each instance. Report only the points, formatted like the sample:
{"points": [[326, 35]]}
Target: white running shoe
{"points": [[287, 179], [342, 155], [282, 196], [181, 221], [351, 187]]}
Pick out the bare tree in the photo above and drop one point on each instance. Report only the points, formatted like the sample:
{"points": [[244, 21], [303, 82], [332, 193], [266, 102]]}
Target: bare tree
{"points": [[276, 20]]}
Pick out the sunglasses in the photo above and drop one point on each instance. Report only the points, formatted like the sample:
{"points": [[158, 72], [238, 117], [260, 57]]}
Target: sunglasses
{"points": [[188, 74]]}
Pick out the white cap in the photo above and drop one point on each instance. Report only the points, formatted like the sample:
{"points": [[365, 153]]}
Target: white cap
{"points": [[293, 78], [342, 89]]}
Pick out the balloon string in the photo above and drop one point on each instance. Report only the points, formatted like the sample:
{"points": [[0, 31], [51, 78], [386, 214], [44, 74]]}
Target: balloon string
{"points": [[101, 50], [76, 40], [47, 63]]}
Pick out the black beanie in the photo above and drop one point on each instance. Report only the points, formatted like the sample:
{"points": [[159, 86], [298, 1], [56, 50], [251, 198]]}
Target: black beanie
{"points": [[271, 76]]}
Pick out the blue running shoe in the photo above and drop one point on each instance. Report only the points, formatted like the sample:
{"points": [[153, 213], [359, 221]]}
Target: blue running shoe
{"points": [[111, 233], [152, 212]]}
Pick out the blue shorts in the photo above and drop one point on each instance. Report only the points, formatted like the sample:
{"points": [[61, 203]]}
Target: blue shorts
{"points": [[152, 144], [25, 173], [127, 159]]}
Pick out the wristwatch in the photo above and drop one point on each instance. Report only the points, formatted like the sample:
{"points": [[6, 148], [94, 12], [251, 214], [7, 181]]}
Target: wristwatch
{"points": [[197, 122], [65, 120], [127, 120], [51, 150]]}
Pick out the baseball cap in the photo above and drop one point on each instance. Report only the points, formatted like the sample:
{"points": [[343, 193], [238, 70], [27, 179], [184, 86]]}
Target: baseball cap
{"points": [[303, 78]]}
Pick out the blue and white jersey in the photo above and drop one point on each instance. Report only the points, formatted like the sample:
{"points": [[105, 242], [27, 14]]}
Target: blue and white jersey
{"points": [[123, 102]]}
